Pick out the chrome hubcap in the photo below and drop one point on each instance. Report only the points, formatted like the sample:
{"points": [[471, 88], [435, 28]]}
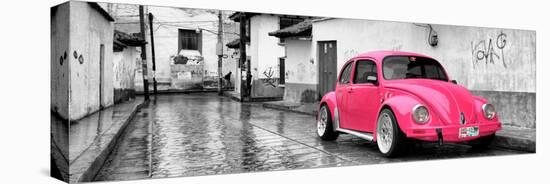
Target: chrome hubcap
{"points": [[384, 133], [322, 121]]}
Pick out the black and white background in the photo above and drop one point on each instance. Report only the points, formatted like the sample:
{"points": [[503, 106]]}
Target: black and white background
{"points": [[25, 134]]}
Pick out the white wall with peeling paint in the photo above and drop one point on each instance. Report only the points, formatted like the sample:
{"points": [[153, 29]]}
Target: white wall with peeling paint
{"points": [[265, 50], [59, 58], [512, 67], [299, 64], [125, 64], [88, 30]]}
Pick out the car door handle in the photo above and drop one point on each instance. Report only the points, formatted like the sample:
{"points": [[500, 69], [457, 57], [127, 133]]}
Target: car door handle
{"points": [[350, 90]]}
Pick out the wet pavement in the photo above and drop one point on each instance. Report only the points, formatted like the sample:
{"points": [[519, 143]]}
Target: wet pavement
{"points": [[92, 138], [204, 134], [59, 147], [87, 132]]}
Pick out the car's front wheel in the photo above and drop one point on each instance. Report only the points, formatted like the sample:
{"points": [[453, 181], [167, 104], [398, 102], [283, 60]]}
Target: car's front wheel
{"points": [[325, 129], [390, 139]]}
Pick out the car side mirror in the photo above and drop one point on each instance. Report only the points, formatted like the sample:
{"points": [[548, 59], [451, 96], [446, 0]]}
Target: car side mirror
{"points": [[454, 82], [372, 79]]}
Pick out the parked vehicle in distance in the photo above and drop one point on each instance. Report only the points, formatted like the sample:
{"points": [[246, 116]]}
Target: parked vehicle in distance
{"points": [[391, 97]]}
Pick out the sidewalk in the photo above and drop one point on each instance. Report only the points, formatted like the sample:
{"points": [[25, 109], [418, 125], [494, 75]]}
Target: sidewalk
{"points": [[516, 138], [237, 97], [92, 138], [302, 108]]}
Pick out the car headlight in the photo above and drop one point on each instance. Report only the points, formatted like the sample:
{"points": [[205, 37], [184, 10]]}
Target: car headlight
{"points": [[420, 114], [489, 111]]}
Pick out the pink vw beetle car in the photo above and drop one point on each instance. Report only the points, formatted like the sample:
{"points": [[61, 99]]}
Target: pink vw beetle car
{"points": [[392, 97]]}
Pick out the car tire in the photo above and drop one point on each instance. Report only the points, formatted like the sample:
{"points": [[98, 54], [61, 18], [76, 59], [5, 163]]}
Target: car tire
{"points": [[482, 142], [391, 141], [325, 128]]}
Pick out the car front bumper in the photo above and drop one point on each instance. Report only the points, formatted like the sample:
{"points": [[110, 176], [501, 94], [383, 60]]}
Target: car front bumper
{"points": [[451, 133]]}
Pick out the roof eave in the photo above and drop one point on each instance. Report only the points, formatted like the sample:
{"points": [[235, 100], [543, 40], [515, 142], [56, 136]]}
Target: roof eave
{"points": [[101, 11]]}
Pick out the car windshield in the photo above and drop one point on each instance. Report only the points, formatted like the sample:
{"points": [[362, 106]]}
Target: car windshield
{"points": [[411, 67]]}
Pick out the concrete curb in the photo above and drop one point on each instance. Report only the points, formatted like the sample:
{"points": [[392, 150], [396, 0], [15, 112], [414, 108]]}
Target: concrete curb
{"points": [[502, 139], [232, 97], [98, 162], [175, 91], [288, 109], [515, 143]]}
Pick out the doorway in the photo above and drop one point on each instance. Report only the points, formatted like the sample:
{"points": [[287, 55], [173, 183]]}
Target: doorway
{"points": [[327, 66], [101, 73], [282, 70]]}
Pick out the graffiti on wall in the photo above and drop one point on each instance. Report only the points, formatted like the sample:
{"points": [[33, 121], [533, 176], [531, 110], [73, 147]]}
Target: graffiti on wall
{"points": [[489, 51], [269, 79], [124, 72], [235, 55], [348, 54], [63, 58], [80, 58], [397, 45]]}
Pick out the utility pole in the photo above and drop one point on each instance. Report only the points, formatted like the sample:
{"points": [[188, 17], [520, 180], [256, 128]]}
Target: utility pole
{"points": [[219, 50], [242, 50], [153, 54], [143, 53]]}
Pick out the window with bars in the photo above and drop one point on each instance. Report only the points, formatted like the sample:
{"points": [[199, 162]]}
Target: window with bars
{"points": [[189, 40]]}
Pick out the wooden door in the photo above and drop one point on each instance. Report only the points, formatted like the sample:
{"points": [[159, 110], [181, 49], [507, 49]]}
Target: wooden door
{"points": [[101, 73], [327, 66]]}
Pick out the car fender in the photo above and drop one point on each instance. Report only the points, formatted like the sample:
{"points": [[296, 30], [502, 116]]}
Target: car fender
{"points": [[401, 104], [329, 100]]}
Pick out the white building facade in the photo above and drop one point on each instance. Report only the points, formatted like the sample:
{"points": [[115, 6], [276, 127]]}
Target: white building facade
{"points": [[179, 31], [498, 64]]}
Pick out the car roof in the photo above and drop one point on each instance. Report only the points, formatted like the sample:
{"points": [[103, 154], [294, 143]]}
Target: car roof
{"points": [[381, 54]]}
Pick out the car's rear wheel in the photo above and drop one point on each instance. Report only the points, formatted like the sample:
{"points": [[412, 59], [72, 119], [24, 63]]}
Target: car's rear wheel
{"points": [[390, 139], [325, 129], [482, 142]]}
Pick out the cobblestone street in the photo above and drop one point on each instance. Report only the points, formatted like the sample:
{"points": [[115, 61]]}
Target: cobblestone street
{"points": [[203, 134]]}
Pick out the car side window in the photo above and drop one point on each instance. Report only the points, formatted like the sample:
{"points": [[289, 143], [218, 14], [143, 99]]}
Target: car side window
{"points": [[364, 69], [344, 77]]}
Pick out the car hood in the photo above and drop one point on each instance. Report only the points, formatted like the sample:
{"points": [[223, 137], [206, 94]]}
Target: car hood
{"points": [[446, 99]]}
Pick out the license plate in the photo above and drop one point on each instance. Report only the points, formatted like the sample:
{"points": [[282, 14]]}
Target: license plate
{"points": [[468, 132]]}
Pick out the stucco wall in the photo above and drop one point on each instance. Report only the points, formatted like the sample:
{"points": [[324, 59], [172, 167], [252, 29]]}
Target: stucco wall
{"points": [[512, 67], [299, 65], [187, 76], [59, 60], [514, 108], [88, 30], [125, 64], [300, 72], [265, 53]]}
